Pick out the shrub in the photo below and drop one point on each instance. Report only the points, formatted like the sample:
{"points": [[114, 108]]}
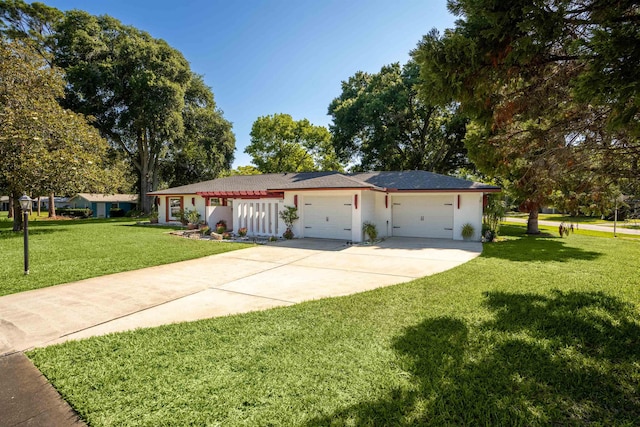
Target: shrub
{"points": [[467, 231], [221, 225], [116, 213], [370, 230], [75, 212], [193, 216], [242, 232], [135, 213], [494, 212]]}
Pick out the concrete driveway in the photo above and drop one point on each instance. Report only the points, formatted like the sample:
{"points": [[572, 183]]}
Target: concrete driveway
{"points": [[246, 280]]}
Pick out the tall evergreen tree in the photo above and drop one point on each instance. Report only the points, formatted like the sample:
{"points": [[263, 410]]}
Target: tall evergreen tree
{"points": [[552, 88]]}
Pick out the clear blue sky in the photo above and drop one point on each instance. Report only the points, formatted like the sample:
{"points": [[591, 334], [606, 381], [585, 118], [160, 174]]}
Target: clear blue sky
{"points": [[282, 56]]}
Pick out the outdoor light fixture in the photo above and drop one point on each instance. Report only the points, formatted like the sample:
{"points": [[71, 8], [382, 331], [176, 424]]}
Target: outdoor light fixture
{"points": [[25, 204]]}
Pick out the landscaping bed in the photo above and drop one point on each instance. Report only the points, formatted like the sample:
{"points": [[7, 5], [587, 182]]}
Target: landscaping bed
{"points": [[536, 331]]}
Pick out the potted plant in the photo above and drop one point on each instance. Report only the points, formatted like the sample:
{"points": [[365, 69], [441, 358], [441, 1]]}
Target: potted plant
{"points": [[289, 215], [468, 231], [369, 229], [242, 232], [193, 219]]}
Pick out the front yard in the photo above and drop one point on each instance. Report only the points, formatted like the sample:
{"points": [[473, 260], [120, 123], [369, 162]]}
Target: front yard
{"points": [[536, 331], [65, 251]]}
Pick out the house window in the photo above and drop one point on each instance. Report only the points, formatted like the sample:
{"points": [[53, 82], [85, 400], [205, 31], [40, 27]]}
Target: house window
{"points": [[175, 205], [215, 201], [114, 206]]}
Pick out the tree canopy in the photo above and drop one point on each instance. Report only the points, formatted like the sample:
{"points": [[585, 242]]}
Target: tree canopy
{"points": [[380, 123], [281, 144], [45, 148], [145, 99], [551, 87]]}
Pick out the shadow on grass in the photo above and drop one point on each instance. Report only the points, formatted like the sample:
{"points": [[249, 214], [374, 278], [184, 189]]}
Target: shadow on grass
{"points": [[10, 234], [567, 359], [537, 248]]}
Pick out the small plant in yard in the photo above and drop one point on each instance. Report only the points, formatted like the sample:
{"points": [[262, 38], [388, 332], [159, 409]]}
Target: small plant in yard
{"points": [[242, 232], [370, 230], [273, 239], [204, 230], [153, 217], [182, 217], [494, 213], [289, 215], [193, 217], [221, 225], [226, 236], [467, 231]]}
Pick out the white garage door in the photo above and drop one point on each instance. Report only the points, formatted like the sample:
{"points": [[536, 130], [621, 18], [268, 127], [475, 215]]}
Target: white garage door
{"points": [[327, 217], [423, 216]]}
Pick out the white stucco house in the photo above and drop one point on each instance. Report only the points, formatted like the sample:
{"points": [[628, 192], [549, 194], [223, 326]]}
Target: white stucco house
{"points": [[334, 205]]}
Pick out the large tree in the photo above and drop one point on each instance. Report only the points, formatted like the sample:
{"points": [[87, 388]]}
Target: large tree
{"points": [[379, 122], [141, 92], [552, 88], [281, 144], [45, 148], [206, 148]]}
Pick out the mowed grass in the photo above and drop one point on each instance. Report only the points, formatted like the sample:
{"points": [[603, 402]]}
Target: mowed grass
{"points": [[592, 220], [65, 251], [536, 331]]}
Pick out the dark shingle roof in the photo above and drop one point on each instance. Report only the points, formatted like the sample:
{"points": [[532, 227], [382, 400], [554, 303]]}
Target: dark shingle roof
{"points": [[409, 180], [420, 180]]}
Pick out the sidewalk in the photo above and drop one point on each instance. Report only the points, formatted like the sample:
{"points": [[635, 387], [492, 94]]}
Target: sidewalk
{"points": [[592, 227], [27, 398]]}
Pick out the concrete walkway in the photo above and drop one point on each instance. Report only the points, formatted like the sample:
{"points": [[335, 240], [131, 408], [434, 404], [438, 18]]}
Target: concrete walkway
{"points": [[235, 282], [604, 228]]}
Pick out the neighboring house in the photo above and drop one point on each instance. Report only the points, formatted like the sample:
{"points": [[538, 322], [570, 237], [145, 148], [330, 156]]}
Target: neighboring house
{"points": [[58, 202], [4, 203], [333, 205], [101, 204]]}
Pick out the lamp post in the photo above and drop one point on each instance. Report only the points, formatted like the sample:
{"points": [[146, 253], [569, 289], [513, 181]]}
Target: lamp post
{"points": [[25, 204]]}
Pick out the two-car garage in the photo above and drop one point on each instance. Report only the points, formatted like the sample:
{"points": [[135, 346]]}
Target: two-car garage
{"points": [[429, 216], [423, 216]]}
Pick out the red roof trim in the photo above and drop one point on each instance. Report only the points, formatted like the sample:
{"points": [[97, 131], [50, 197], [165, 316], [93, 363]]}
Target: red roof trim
{"points": [[241, 194]]}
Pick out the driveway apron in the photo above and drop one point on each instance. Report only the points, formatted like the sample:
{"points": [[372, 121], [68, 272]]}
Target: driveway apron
{"points": [[246, 280]]}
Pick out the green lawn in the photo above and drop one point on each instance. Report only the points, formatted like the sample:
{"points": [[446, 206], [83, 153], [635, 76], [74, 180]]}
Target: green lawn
{"points": [[65, 251], [536, 331], [593, 220]]}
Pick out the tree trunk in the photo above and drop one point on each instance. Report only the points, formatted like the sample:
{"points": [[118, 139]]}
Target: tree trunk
{"points": [[144, 185], [38, 206], [11, 212], [17, 214], [52, 205], [532, 223]]}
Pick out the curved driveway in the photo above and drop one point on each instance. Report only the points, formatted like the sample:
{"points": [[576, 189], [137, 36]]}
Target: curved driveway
{"points": [[234, 282]]}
